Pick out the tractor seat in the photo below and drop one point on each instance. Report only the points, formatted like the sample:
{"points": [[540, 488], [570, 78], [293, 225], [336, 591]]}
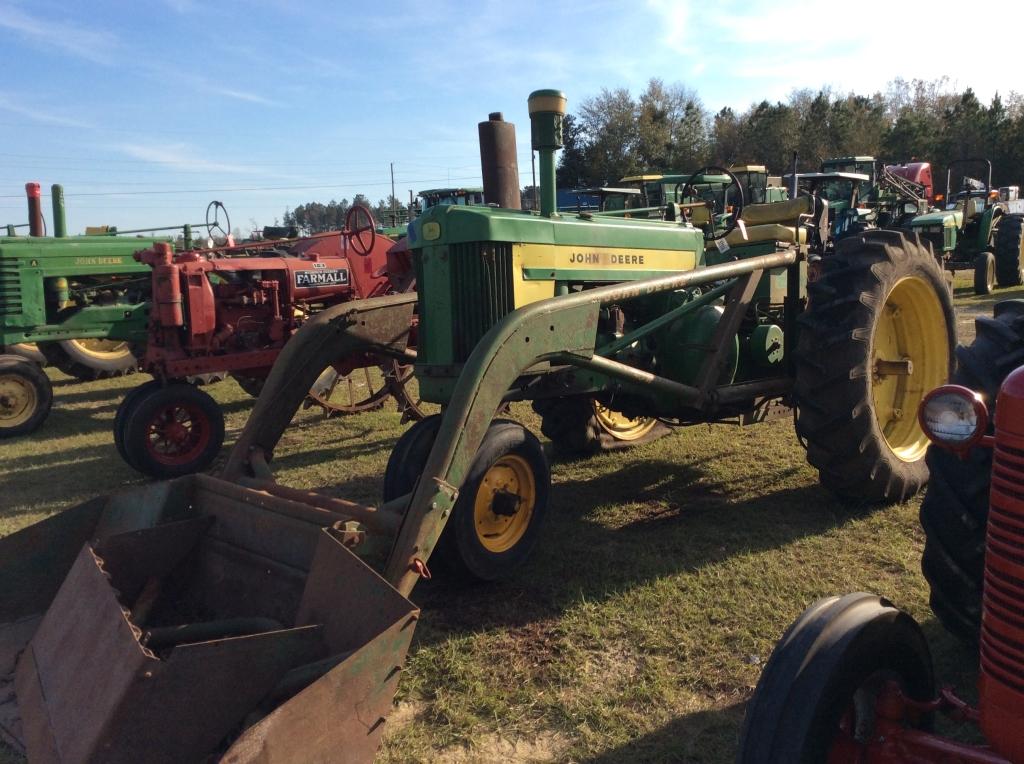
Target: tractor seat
{"points": [[786, 213], [766, 232]]}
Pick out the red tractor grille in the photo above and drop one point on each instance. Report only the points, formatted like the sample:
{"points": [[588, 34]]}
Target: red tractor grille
{"points": [[1002, 635], [1001, 682]]}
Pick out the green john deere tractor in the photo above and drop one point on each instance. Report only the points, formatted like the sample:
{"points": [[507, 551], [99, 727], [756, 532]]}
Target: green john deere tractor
{"points": [[608, 323], [75, 302], [979, 228]]}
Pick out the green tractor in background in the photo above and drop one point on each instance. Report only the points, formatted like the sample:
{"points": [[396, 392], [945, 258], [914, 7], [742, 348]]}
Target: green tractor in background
{"points": [[670, 320], [77, 303], [979, 228]]}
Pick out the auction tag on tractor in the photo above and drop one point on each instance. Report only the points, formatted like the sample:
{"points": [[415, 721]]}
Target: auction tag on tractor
{"points": [[743, 229], [321, 278], [722, 244]]}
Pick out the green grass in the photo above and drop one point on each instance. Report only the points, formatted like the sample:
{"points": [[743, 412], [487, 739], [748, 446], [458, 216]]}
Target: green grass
{"points": [[639, 628]]}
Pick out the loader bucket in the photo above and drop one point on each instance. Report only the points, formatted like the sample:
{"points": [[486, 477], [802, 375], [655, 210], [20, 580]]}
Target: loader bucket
{"points": [[195, 620]]}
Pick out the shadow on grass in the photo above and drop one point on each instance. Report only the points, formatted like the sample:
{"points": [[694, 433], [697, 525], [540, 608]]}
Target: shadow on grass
{"points": [[689, 739], [674, 521]]}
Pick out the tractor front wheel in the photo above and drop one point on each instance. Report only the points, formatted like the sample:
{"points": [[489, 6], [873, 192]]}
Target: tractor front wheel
{"points": [[502, 504], [877, 336], [1009, 247], [25, 396], [816, 699], [124, 410], [89, 359], [581, 425], [173, 430], [984, 273]]}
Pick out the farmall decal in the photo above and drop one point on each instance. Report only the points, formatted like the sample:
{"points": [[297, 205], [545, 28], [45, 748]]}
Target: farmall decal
{"points": [[321, 278]]}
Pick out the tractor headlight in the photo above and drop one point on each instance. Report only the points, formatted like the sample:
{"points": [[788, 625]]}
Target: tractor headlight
{"points": [[953, 417]]}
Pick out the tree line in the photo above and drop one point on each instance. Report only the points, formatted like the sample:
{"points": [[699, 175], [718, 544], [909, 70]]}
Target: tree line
{"points": [[317, 217], [667, 128]]}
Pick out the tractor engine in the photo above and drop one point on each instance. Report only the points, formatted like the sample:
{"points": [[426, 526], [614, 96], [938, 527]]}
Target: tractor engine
{"points": [[242, 307]]}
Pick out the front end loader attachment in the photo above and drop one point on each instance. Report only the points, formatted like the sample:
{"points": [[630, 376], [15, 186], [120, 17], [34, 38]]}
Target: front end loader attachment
{"points": [[195, 620]]}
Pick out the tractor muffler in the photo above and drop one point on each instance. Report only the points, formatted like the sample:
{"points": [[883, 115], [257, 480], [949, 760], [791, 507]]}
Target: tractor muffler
{"points": [[195, 620]]}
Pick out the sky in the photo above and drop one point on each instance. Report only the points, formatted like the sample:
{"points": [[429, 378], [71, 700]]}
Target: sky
{"points": [[146, 111]]}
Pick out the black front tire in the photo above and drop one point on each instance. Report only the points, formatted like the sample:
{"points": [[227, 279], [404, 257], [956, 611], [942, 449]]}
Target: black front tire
{"points": [[124, 410], [173, 431], [827, 665], [984, 273], [954, 512], [26, 396], [462, 551]]}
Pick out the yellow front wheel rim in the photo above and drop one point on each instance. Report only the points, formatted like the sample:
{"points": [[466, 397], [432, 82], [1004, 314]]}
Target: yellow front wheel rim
{"points": [[909, 357], [102, 350], [504, 503], [620, 426], [18, 400]]}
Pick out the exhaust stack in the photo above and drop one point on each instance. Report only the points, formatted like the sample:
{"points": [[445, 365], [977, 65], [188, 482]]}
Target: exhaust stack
{"points": [[547, 107], [35, 209], [498, 162], [60, 226]]}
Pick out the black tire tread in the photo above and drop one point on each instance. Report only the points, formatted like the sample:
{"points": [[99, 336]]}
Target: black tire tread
{"points": [[1008, 243], [57, 356], [834, 412], [31, 371], [572, 427]]}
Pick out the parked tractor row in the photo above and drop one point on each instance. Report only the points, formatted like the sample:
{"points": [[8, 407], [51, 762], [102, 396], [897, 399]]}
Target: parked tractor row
{"points": [[712, 309]]}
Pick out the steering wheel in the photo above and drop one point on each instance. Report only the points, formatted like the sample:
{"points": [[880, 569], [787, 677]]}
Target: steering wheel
{"points": [[685, 188], [214, 225], [358, 222]]}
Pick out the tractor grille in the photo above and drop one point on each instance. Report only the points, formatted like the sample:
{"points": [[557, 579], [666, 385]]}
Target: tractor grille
{"points": [[479, 282], [935, 239], [1002, 634], [10, 291]]}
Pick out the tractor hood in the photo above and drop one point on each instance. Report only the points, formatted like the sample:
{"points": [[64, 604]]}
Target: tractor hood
{"points": [[946, 219]]}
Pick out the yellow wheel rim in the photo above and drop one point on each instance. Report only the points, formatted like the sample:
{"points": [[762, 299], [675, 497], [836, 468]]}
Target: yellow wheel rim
{"points": [[504, 503], [620, 426], [909, 357], [103, 350], [18, 400]]}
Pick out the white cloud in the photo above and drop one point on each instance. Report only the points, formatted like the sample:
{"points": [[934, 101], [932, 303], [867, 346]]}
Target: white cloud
{"points": [[180, 156], [11, 104], [72, 38]]}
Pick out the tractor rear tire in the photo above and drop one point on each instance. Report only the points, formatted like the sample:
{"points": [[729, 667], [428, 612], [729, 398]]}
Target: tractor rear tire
{"points": [[492, 530], [1009, 251], [173, 430], [954, 512], [878, 335], [581, 426], [984, 273], [818, 692], [26, 396], [87, 360]]}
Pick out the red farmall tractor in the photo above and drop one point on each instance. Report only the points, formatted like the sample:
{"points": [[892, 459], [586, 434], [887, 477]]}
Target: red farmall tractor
{"points": [[230, 311], [852, 679]]}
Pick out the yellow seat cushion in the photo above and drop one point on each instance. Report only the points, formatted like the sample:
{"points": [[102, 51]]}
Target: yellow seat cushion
{"points": [[786, 213], [767, 232]]}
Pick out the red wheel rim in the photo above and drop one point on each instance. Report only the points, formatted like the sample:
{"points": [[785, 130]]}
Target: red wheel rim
{"points": [[177, 433]]}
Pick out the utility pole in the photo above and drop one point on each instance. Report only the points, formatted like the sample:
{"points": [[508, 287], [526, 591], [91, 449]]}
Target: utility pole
{"points": [[394, 212]]}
